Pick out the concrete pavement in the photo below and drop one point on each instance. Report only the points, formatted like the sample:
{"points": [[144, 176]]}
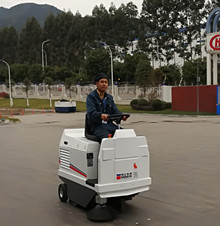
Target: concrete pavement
{"points": [[185, 155]]}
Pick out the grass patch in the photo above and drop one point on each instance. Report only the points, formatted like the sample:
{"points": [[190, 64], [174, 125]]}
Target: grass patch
{"points": [[14, 120], [35, 104], [10, 119], [22, 103], [81, 107]]}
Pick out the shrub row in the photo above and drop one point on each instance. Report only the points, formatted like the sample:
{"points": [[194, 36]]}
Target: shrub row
{"points": [[154, 105]]}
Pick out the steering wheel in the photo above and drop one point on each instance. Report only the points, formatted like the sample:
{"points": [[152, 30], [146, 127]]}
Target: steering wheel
{"points": [[118, 117]]}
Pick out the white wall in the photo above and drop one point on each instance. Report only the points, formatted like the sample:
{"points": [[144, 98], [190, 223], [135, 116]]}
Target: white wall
{"points": [[167, 93]]}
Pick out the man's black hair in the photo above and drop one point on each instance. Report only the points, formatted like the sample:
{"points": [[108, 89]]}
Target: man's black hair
{"points": [[100, 76]]}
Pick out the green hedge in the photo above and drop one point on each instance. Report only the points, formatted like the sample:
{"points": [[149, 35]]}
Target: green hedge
{"points": [[154, 105]]}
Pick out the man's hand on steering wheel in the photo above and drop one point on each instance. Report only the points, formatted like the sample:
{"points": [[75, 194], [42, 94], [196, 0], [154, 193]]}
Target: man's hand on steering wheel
{"points": [[118, 117], [124, 118], [104, 117]]}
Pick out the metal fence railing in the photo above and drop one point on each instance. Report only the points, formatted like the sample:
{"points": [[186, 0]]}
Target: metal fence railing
{"points": [[122, 94]]}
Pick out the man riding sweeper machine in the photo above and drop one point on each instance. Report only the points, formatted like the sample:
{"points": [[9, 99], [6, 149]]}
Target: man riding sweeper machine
{"points": [[99, 173]]}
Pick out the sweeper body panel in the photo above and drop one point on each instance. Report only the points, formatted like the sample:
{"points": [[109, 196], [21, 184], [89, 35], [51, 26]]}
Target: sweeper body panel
{"points": [[95, 172], [118, 167]]}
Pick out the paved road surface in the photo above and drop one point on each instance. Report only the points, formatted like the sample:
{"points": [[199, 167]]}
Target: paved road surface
{"points": [[185, 168]]}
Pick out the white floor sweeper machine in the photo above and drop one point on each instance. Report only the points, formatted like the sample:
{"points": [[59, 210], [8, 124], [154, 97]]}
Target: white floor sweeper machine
{"points": [[97, 174]]}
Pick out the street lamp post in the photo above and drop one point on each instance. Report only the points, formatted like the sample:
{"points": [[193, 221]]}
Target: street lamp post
{"points": [[45, 53], [112, 77], [9, 81], [42, 52]]}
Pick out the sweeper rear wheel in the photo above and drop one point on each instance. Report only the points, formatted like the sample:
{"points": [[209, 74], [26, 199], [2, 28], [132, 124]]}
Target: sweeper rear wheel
{"points": [[62, 192]]}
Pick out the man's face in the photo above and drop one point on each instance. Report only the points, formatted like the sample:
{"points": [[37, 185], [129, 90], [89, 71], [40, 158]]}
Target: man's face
{"points": [[102, 84]]}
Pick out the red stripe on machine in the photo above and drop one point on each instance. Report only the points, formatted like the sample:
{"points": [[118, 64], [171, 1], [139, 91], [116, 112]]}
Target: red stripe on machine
{"points": [[77, 170]]}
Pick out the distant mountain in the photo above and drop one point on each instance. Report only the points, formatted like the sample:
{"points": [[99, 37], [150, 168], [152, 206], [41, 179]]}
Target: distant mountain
{"points": [[17, 15]]}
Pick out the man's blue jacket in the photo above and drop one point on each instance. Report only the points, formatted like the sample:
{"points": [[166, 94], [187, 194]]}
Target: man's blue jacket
{"points": [[96, 107]]}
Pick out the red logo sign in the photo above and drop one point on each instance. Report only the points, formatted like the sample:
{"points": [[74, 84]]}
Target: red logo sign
{"points": [[135, 166], [118, 176], [215, 42]]}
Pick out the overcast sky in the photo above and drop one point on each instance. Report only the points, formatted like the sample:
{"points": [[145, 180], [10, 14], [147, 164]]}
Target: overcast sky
{"points": [[85, 7]]}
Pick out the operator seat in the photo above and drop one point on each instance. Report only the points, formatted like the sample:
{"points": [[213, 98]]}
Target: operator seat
{"points": [[88, 133]]}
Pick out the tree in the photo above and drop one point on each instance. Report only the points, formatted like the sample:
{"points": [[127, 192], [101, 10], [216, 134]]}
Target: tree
{"points": [[171, 75], [75, 42], [3, 73], [191, 14], [49, 32], [19, 72], [61, 73], [102, 23], [50, 27], [68, 85], [34, 73], [80, 77], [8, 44], [12, 84], [49, 82], [173, 24], [123, 19], [59, 30], [119, 72], [144, 74], [30, 42], [97, 61], [193, 69], [162, 29], [128, 68], [158, 22], [158, 76], [26, 88]]}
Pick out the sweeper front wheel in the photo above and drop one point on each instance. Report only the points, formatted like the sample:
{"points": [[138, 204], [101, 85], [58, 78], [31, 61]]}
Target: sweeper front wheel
{"points": [[62, 192]]}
